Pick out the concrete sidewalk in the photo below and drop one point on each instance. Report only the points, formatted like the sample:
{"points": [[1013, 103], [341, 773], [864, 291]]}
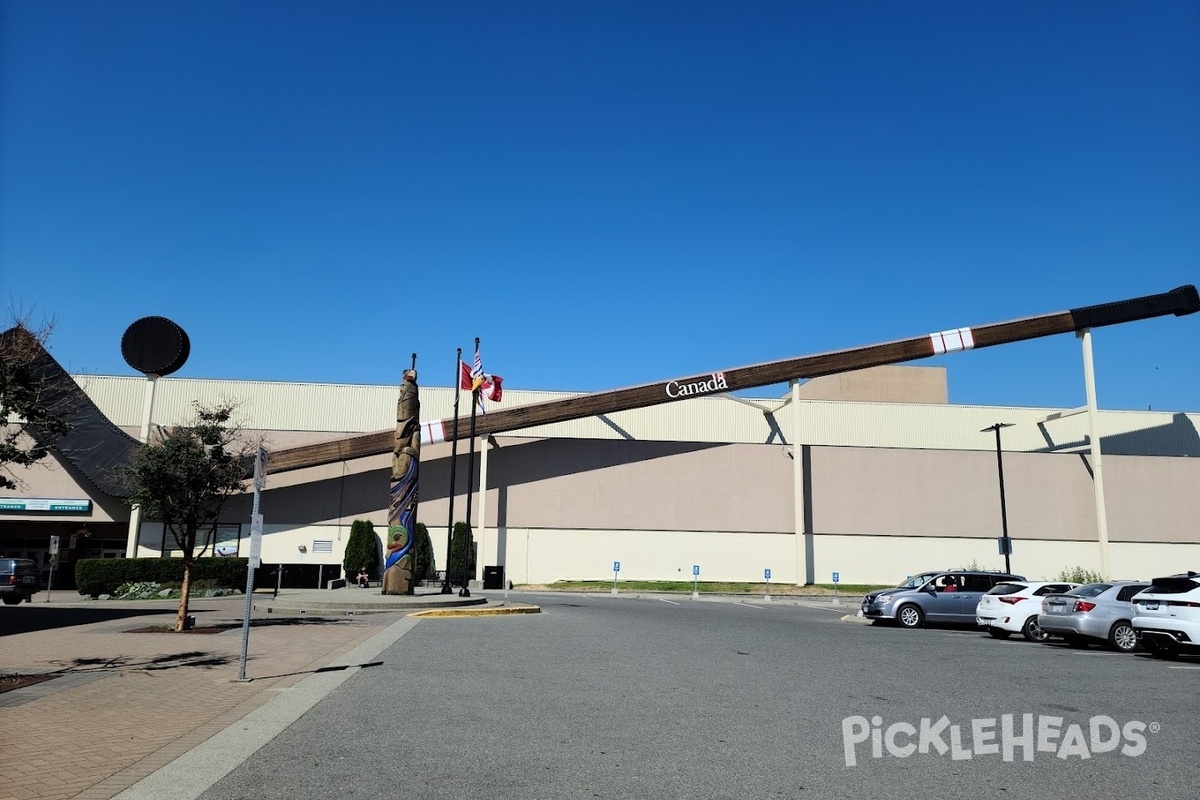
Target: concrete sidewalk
{"points": [[124, 704]]}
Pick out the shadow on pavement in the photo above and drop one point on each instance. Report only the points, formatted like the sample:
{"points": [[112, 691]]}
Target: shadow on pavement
{"points": [[28, 619], [195, 658], [335, 668]]}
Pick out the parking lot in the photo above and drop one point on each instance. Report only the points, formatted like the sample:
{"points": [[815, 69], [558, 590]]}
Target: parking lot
{"points": [[664, 697]]}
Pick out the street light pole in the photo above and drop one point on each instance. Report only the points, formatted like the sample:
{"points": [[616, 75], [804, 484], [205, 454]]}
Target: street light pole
{"points": [[1005, 542]]}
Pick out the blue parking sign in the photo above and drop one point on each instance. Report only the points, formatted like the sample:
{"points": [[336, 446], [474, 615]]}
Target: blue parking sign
{"points": [[695, 569], [767, 574], [616, 566], [835, 577]]}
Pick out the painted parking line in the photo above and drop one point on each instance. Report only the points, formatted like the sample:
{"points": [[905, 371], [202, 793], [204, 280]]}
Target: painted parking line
{"points": [[750, 605], [1180, 666], [665, 600]]}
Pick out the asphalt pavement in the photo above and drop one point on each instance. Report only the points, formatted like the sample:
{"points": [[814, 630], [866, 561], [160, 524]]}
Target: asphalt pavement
{"points": [[667, 697]]}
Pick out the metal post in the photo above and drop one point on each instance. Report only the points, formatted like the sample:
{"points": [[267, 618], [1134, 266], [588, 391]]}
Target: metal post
{"points": [[453, 462], [1003, 506], [466, 584], [135, 513], [798, 490], [1089, 380], [260, 478]]}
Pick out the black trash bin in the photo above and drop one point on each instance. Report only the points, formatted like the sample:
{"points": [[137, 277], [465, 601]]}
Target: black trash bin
{"points": [[493, 577]]}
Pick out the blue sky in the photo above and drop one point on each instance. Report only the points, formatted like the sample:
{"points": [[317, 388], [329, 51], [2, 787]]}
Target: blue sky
{"points": [[608, 193]]}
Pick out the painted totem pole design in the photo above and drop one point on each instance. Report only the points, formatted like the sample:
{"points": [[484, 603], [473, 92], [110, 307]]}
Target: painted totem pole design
{"points": [[402, 497]]}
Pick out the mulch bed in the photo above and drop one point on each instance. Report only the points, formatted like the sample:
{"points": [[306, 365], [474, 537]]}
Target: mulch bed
{"points": [[10, 682]]}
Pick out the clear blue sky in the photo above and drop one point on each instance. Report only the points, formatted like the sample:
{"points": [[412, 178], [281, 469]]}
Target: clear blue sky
{"points": [[608, 193]]}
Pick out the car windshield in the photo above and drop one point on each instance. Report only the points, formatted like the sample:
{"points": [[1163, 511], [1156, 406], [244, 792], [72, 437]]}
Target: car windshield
{"points": [[1090, 590], [917, 581], [1007, 588]]}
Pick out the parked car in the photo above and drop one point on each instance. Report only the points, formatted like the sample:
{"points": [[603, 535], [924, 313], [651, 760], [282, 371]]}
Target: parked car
{"points": [[943, 596], [18, 580], [1092, 613], [1167, 615], [1014, 607]]}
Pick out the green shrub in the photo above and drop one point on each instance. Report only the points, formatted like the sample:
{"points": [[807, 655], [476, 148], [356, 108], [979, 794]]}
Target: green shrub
{"points": [[423, 561], [1080, 575], [97, 576], [362, 549], [462, 547]]}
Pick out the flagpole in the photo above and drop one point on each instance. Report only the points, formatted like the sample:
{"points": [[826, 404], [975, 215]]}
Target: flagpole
{"points": [[453, 461], [466, 591]]}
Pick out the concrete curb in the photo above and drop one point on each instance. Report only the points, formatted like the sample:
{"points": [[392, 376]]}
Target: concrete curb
{"points": [[855, 618], [477, 612]]}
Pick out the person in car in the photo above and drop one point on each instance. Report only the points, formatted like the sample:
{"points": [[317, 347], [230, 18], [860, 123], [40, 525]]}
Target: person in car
{"points": [[950, 585]]}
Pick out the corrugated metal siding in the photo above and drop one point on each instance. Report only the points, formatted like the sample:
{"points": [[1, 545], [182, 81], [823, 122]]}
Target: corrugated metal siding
{"points": [[951, 427], [360, 409]]}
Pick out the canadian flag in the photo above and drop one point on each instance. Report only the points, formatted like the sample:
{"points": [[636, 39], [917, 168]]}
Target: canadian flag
{"points": [[471, 380]]}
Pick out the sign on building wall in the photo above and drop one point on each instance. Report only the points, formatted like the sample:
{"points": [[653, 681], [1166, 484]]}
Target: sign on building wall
{"points": [[54, 504]]}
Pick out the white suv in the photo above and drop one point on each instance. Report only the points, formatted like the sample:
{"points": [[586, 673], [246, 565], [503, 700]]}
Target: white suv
{"points": [[1167, 615], [1013, 607]]}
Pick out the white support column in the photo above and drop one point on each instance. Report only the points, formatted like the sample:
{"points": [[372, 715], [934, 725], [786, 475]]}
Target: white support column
{"points": [[798, 490], [135, 513], [1089, 380], [481, 504]]}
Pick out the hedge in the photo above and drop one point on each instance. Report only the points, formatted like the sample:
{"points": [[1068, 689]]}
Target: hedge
{"points": [[97, 576]]}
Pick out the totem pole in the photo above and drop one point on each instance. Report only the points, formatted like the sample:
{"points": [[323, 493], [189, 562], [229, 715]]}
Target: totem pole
{"points": [[402, 497]]}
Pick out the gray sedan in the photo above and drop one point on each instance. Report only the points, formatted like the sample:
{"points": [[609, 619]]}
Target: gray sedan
{"points": [[1093, 613]]}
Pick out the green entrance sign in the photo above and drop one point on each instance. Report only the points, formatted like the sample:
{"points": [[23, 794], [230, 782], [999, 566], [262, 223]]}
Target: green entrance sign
{"points": [[52, 504]]}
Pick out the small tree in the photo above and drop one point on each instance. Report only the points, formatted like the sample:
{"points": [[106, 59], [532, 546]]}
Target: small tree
{"points": [[26, 404], [462, 549], [183, 477], [423, 561], [362, 549]]}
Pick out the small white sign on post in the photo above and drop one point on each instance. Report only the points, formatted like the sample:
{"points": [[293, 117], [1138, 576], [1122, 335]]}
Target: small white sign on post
{"points": [[54, 545], [256, 529], [260, 469]]}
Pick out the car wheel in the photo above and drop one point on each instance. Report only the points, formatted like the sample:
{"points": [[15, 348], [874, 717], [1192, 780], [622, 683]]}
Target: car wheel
{"points": [[11, 600], [999, 634], [1032, 631], [1123, 637], [1075, 640], [910, 617], [1162, 650]]}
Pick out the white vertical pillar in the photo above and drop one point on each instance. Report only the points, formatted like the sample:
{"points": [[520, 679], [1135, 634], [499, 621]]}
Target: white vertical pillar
{"points": [[798, 489], [135, 513], [1089, 379], [481, 504]]}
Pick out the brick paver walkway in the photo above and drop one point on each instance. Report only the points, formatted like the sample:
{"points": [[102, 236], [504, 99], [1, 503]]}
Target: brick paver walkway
{"points": [[128, 703]]}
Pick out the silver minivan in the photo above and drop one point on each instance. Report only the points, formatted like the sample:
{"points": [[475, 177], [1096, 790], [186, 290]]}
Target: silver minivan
{"points": [[943, 596]]}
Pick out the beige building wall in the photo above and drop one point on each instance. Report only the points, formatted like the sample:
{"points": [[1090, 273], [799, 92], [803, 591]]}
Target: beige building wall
{"points": [[889, 488], [887, 384]]}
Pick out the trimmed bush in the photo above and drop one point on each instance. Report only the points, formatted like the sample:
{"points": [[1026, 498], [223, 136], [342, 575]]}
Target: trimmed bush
{"points": [[362, 550], [423, 561], [97, 576], [462, 546]]}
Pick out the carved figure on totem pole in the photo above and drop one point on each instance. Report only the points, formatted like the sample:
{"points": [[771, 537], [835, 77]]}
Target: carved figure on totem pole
{"points": [[402, 496]]}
